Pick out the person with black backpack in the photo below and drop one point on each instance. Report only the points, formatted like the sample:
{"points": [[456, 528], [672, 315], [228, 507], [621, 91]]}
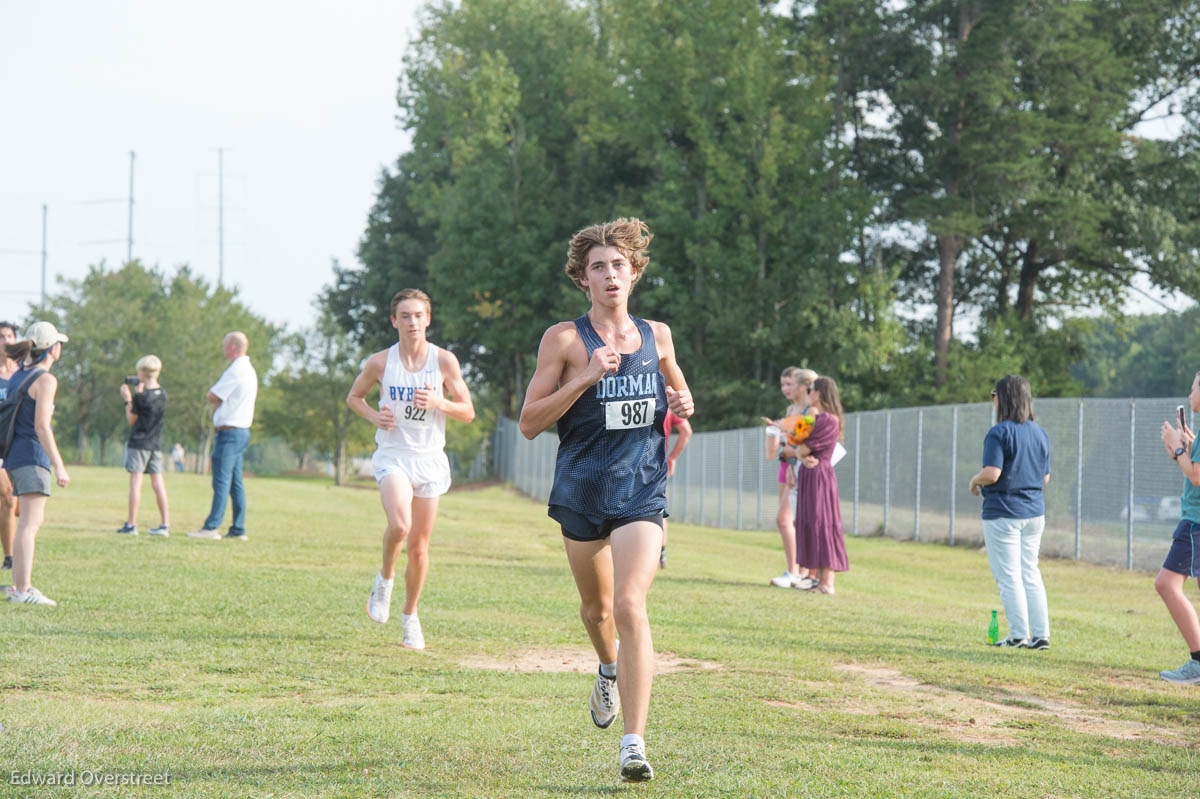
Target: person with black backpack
{"points": [[8, 503], [33, 451]]}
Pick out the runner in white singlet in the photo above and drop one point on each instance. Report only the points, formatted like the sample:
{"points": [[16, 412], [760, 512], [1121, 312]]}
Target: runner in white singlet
{"points": [[420, 385]]}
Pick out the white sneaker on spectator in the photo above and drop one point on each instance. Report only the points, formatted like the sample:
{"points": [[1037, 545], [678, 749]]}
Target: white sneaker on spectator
{"points": [[204, 532], [379, 601], [783, 581], [413, 639], [162, 530], [30, 597], [803, 583]]}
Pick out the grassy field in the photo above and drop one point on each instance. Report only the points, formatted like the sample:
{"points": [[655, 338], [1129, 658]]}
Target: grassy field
{"points": [[252, 669]]}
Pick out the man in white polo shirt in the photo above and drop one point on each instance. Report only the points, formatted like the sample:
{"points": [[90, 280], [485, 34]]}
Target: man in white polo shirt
{"points": [[233, 395]]}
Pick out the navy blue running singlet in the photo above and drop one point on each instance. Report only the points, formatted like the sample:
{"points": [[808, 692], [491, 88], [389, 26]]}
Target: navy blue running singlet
{"points": [[612, 459]]}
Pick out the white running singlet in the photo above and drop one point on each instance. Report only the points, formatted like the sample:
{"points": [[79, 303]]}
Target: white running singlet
{"points": [[418, 431]]}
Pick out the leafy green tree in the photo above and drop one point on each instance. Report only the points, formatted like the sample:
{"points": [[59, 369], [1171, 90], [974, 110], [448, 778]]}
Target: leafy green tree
{"points": [[114, 317], [309, 407]]}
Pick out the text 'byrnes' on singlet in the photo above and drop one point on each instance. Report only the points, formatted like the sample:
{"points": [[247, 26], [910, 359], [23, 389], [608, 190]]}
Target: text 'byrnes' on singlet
{"points": [[612, 460], [419, 431]]}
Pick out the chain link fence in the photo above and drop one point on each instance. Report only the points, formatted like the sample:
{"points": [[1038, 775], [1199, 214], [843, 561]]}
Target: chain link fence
{"points": [[1112, 499]]}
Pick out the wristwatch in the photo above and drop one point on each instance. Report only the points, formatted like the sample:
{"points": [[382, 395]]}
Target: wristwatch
{"points": [[1178, 452]]}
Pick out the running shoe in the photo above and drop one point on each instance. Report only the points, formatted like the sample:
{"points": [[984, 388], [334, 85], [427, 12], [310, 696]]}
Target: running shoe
{"points": [[605, 701], [8, 561], [236, 537], [412, 631], [127, 529], [634, 766], [1187, 674], [1038, 643], [162, 530], [30, 597], [205, 532], [804, 583], [379, 601], [782, 581]]}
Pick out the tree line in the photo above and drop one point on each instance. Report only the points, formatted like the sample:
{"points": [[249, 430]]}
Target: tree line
{"points": [[914, 197]]}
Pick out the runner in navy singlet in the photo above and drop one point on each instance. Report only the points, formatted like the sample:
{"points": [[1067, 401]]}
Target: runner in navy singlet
{"points": [[607, 379]]}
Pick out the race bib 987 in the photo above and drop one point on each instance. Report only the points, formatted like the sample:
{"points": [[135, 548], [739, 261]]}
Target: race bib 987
{"points": [[629, 414]]}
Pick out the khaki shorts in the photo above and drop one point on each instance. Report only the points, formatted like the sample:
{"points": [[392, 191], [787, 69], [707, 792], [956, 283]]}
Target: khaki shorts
{"points": [[143, 461], [30, 479]]}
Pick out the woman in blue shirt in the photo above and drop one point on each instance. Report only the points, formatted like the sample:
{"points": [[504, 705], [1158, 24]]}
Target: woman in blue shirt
{"points": [[34, 450], [1016, 465]]}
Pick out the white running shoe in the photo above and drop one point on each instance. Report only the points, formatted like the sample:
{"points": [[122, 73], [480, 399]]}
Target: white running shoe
{"points": [[634, 766], [412, 632], [204, 532], [804, 583], [782, 581], [162, 530], [605, 701], [379, 601], [30, 597]]}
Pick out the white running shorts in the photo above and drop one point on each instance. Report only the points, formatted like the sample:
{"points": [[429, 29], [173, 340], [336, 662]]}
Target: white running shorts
{"points": [[429, 475]]}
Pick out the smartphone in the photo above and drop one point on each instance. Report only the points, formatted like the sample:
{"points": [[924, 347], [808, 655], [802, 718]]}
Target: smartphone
{"points": [[132, 381], [1179, 413]]}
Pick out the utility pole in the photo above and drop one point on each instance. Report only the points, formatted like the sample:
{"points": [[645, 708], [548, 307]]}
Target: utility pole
{"points": [[43, 255], [220, 217], [129, 240]]}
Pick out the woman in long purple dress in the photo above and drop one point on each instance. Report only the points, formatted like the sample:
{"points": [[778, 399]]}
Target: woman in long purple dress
{"points": [[820, 544]]}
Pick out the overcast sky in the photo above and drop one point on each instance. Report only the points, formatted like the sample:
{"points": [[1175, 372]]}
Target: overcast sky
{"points": [[302, 95]]}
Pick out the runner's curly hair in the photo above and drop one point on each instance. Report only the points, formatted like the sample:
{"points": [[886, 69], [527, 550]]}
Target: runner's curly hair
{"points": [[627, 234]]}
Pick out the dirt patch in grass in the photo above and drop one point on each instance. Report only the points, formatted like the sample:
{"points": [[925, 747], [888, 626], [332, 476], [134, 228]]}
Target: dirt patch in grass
{"points": [[968, 718], [581, 660]]}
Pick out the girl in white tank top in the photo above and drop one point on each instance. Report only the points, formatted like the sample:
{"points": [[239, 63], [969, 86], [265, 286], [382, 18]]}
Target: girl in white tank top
{"points": [[418, 431]]}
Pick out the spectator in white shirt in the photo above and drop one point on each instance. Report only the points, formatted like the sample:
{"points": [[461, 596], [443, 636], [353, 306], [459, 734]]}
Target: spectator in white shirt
{"points": [[233, 395]]}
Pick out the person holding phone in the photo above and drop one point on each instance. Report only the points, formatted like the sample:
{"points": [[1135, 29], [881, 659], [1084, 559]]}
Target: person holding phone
{"points": [[1183, 558], [145, 410]]}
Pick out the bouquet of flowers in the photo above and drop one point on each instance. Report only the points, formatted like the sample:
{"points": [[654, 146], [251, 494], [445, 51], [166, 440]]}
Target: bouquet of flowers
{"points": [[797, 428]]}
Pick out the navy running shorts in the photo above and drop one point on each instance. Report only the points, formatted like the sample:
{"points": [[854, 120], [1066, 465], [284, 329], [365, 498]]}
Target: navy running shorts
{"points": [[578, 527], [1184, 555]]}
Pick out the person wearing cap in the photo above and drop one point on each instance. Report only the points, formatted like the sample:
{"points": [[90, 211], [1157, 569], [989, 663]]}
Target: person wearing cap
{"points": [[8, 502], [233, 395], [34, 451], [145, 410]]}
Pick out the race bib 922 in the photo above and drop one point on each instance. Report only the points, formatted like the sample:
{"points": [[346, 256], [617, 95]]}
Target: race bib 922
{"points": [[629, 414]]}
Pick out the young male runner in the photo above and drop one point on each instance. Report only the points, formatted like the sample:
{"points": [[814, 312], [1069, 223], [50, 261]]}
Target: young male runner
{"points": [[414, 379], [607, 379]]}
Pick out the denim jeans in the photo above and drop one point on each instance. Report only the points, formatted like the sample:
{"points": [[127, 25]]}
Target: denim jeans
{"points": [[228, 448], [1012, 549]]}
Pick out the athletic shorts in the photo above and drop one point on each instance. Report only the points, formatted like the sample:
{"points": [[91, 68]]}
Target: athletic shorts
{"points": [[32, 479], [143, 461], [429, 475], [578, 527], [1184, 555]]}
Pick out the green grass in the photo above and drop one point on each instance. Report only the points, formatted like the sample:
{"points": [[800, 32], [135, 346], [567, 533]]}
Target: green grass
{"points": [[252, 670]]}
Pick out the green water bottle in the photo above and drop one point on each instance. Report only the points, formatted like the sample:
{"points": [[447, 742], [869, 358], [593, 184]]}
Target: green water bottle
{"points": [[993, 629]]}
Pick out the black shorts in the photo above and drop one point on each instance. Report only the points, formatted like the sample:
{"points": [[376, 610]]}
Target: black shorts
{"points": [[578, 527]]}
